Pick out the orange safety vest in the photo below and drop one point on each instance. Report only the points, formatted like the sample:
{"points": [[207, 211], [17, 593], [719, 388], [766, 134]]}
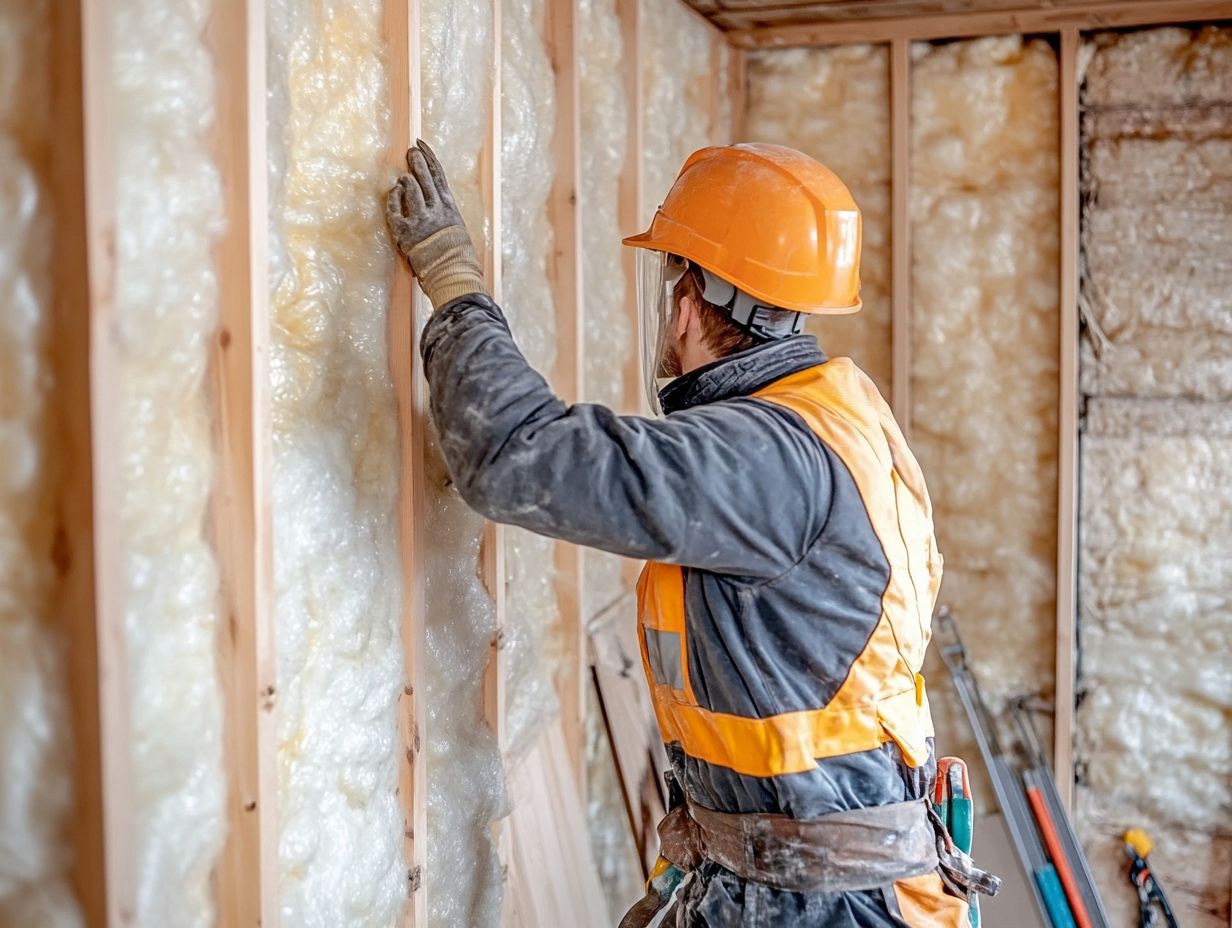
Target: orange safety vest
{"points": [[882, 698]]}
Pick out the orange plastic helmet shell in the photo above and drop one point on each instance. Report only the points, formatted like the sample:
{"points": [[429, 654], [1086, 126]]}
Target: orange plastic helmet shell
{"points": [[776, 223]]}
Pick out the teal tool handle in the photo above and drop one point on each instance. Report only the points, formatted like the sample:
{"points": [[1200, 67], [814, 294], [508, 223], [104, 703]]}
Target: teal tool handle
{"points": [[1054, 897]]}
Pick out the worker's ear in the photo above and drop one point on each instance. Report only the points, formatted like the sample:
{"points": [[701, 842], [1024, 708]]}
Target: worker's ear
{"points": [[685, 317]]}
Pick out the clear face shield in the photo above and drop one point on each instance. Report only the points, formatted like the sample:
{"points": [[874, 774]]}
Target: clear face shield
{"points": [[657, 276]]}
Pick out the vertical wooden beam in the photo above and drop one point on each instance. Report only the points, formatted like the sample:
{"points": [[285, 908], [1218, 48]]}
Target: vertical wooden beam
{"points": [[565, 276], [1067, 421], [247, 874], [87, 542], [900, 232], [737, 90], [632, 182], [717, 88], [401, 33]]}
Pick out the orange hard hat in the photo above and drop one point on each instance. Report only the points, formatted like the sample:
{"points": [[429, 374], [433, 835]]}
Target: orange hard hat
{"points": [[768, 219]]}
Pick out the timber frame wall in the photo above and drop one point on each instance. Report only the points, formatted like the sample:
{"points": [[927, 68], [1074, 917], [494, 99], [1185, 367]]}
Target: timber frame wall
{"points": [[104, 875]]}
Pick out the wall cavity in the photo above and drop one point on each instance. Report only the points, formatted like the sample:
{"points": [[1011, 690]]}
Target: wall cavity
{"points": [[169, 216], [834, 105], [984, 353], [528, 117], [35, 742], [335, 469], [466, 785], [1155, 587]]}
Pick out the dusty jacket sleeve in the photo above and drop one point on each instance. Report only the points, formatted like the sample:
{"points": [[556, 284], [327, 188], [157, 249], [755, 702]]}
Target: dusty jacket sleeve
{"points": [[738, 486]]}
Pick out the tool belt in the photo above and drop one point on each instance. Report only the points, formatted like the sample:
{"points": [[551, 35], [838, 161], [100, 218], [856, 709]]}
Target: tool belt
{"points": [[842, 852]]}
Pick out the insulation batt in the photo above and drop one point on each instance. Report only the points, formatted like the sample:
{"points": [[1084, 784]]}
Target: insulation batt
{"points": [[528, 115], [985, 344], [1156, 629], [676, 95], [36, 791], [834, 105], [1155, 582], [1157, 125], [335, 469], [168, 208], [609, 316], [466, 785]]}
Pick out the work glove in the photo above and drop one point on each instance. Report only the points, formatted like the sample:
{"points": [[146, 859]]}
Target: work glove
{"points": [[428, 229]]}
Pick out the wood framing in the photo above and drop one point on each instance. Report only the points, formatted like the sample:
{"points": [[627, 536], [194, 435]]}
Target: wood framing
{"points": [[87, 554], [407, 307], [632, 182], [960, 23], [1067, 421], [565, 276], [900, 232], [737, 91], [247, 872]]}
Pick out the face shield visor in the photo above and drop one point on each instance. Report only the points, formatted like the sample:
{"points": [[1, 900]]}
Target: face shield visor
{"points": [[657, 275]]}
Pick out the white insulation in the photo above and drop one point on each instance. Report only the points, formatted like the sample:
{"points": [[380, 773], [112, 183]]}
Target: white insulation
{"points": [[528, 117], [834, 105], [335, 469], [169, 216], [984, 352], [466, 785], [1155, 584], [35, 743]]}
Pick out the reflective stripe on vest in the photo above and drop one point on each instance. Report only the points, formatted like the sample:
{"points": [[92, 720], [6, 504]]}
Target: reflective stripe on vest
{"points": [[882, 697]]}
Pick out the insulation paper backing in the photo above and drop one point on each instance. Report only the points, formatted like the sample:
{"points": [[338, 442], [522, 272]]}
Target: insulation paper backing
{"points": [[169, 217], [984, 220], [1155, 581], [335, 468], [833, 104], [528, 117], [466, 785], [35, 742]]}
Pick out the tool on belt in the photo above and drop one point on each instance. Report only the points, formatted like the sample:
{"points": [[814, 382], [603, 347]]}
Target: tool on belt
{"points": [[849, 851], [1152, 902]]}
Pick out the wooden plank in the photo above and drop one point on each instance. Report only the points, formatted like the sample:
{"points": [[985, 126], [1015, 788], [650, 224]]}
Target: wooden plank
{"points": [[900, 232], [407, 306], [565, 276], [1027, 19], [247, 872], [1067, 421], [87, 552], [737, 91], [716, 98]]}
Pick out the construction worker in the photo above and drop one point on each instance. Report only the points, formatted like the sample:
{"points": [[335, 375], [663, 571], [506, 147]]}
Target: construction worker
{"points": [[786, 605]]}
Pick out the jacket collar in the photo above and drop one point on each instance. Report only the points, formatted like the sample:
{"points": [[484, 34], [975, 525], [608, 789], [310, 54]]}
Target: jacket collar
{"points": [[742, 373]]}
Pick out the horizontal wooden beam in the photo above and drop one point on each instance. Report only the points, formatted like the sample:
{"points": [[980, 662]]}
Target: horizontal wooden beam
{"points": [[968, 24]]}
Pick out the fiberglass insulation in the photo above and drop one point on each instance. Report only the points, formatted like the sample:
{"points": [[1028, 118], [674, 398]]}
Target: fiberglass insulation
{"points": [[1155, 585], [834, 105], [528, 116], [169, 216], [465, 779], [335, 468], [609, 317], [36, 791], [984, 353]]}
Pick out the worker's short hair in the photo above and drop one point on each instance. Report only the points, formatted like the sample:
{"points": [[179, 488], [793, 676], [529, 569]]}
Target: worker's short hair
{"points": [[719, 332]]}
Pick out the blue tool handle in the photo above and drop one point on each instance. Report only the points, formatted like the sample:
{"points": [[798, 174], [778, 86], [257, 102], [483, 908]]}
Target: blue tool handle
{"points": [[1054, 897]]}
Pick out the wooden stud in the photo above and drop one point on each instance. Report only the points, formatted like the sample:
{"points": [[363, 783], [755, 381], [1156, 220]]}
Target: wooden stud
{"points": [[87, 548], [247, 873], [959, 24], [1067, 421], [718, 85], [900, 232], [737, 91], [407, 306], [565, 276], [632, 183]]}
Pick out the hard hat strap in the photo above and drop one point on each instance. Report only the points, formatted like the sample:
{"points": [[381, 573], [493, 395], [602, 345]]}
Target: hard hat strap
{"points": [[758, 319]]}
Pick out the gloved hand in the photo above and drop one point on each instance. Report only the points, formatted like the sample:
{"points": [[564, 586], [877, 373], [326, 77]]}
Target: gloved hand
{"points": [[428, 229]]}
